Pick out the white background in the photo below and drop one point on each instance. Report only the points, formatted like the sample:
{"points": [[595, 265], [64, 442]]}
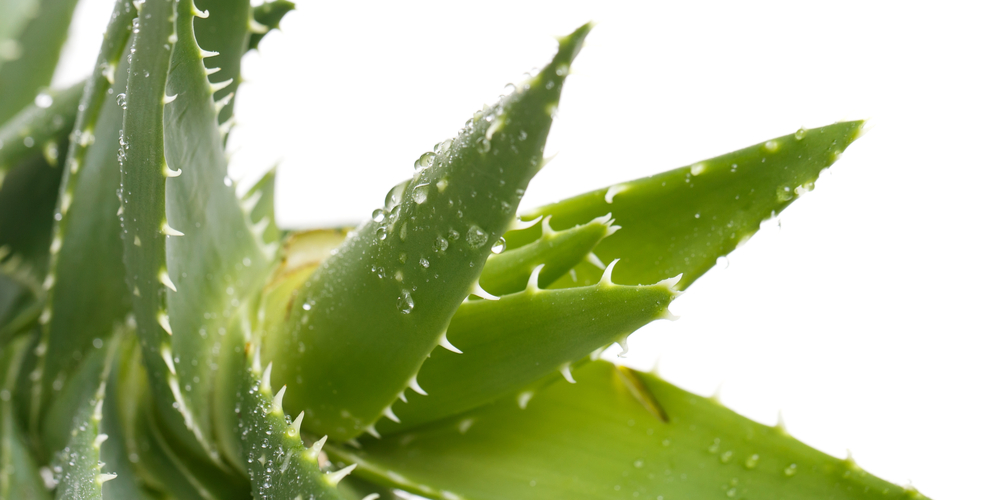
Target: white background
{"points": [[868, 318]]}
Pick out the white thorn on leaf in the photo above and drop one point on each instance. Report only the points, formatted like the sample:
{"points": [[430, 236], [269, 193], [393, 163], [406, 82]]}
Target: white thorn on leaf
{"points": [[671, 284], [596, 354], [517, 224], [609, 196], [105, 477], [416, 387], [371, 430], [389, 414], [318, 445], [100, 439], [623, 343], [256, 28], [167, 99], [566, 373], [335, 477], [604, 219], [611, 230], [168, 173], [276, 403], [547, 230], [227, 126], [205, 54], [297, 423], [443, 342], [221, 103], [212, 71], [533, 279], [354, 442], [168, 358], [478, 291], [215, 87], [402, 396], [169, 231], [165, 279], [164, 322], [606, 277], [199, 13], [372, 496], [265, 379], [255, 364], [595, 260], [523, 398], [669, 316]]}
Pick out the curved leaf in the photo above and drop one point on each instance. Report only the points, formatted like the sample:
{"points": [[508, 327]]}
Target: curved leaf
{"points": [[18, 470], [615, 434], [373, 311]]}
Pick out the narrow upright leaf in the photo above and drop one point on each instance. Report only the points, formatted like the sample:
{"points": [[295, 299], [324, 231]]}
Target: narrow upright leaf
{"points": [[19, 476], [39, 128], [374, 311]]}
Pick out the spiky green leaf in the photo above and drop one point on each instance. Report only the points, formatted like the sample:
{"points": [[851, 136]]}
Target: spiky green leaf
{"points": [[681, 221], [512, 342], [268, 16], [615, 434], [374, 311]]}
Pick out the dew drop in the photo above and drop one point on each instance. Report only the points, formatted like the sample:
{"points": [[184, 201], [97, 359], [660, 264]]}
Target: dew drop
{"points": [[405, 302], [420, 193], [378, 215], [380, 233], [442, 147], [424, 263], [425, 160], [121, 100], [476, 237], [791, 470], [784, 193], [751, 462], [440, 244], [483, 145], [799, 134], [499, 246], [442, 185]]}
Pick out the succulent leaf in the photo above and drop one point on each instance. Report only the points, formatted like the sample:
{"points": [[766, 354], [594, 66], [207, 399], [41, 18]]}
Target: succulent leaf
{"points": [[216, 263], [267, 16], [559, 251], [258, 202], [79, 470], [373, 311], [82, 305], [28, 58], [681, 221], [225, 30], [616, 433], [510, 343], [280, 465], [39, 128], [18, 470], [27, 198]]}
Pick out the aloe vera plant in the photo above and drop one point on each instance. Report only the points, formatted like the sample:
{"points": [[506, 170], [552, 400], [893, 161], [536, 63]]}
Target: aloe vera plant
{"points": [[162, 337]]}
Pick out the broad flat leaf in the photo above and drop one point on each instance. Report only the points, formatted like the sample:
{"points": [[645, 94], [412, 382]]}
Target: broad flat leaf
{"points": [[681, 221], [615, 434], [559, 251], [37, 129], [510, 343], [373, 311], [28, 61]]}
